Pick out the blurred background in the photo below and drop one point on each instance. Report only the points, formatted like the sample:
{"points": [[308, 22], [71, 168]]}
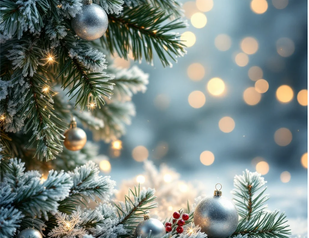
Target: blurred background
{"points": [[236, 101]]}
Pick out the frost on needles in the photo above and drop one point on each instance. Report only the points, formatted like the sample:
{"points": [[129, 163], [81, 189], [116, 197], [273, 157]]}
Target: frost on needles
{"points": [[48, 74]]}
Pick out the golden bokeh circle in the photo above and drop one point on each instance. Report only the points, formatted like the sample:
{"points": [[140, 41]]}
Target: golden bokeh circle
{"points": [[283, 136], [304, 160], [188, 38], [302, 97], [249, 45], [259, 6], [105, 166], [255, 73], [226, 124], [196, 99], [189, 9], [204, 5], [261, 86], [207, 158], [198, 20], [140, 153], [285, 177], [284, 94], [223, 42], [196, 71], [241, 59], [216, 86], [251, 96], [262, 167]]}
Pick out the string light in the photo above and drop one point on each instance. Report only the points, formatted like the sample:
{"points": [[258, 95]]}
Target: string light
{"points": [[2, 117], [117, 145], [50, 58], [45, 89], [216, 86], [105, 166], [91, 103]]}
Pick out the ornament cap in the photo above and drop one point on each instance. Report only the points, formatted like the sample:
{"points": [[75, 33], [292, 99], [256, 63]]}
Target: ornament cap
{"points": [[218, 192], [146, 217], [73, 123], [87, 2]]}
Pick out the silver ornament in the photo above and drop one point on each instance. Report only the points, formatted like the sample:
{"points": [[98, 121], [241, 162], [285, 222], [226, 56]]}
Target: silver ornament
{"points": [[217, 216], [75, 138], [150, 227], [91, 23], [29, 233]]}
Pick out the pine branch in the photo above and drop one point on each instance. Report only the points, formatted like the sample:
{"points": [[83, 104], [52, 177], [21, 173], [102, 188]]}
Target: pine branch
{"points": [[87, 185], [114, 115], [142, 31]]}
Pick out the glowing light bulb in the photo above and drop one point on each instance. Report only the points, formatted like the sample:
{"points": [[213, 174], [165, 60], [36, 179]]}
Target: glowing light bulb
{"points": [[105, 166], [2, 117], [117, 145], [45, 89]]}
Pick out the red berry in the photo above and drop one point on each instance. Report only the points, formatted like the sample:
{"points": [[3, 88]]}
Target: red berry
{"points": [[185, 216], [181, 222], [179, 229], [168, 229], [168, 224], [176, 215], [174, 221]]}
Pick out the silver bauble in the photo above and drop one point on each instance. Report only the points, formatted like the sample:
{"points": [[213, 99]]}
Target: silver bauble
{"points": [[91, 23], [217, 216], [75, 138], [150, 226], [29, 233]]}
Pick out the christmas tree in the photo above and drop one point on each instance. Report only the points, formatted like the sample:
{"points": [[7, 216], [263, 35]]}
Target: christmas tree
{"points": [[56, 65]]}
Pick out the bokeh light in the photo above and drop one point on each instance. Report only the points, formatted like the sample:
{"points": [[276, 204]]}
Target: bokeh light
{"points": [[183, 187], [207, 158], [259, 6], [196, 99], [161, 150], [121, 63], [198, 20], [262, 167], [285, 177], [285, 47], [140, 153], [117, 145], [284, 94], [302, 97], [226, 124], [162, 102], [304, 160], [189, 8], [261, 86], [167, 178], [140, 179], [251, 96], [223, 42], [249, 45], [280, 4], [283, 136], [204, 5], [241, 59], [216, 86], [105, 166], [196, 71], [255, 73], [188, 38], [256, 160]]}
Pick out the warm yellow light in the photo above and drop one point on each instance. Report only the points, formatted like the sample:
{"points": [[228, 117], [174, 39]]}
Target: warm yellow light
{"points": [[226, 124], [280, 4], [50, 58], [249, 45], [251, 96], [92, 105], [223, 42], [2, 117], [45, 89], [117, 145], [207, 158], [140, 179], [198, 20], [188, 38], [262, 167], [285, 47], [105, 166], [285, 177], [255, 73], [189, 8], [302, 97], [216, 86], [196, 99], [121, 63], [241, 59], [204, 5], [68, 225], [261, 86], [259, 6], [140, 153], [196, 71], [162, 102], [183, 187], [167, 178], [170, 208], [284, 94], [283, 136], [304, 160]]}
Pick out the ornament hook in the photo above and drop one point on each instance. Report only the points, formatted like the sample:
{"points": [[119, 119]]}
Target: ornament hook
{"points": [[218, 192]]}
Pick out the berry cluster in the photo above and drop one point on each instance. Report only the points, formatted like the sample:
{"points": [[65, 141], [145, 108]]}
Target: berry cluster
{"points": [[178, 220]]}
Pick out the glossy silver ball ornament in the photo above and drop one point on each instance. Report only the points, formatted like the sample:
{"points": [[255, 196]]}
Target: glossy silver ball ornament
{"points": [[217, 216], [29, 233], [91, 23], [150, 227], [75, 138]]}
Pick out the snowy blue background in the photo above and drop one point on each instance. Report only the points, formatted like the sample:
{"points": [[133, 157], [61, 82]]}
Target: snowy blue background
{"points": [[188, 131]]}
